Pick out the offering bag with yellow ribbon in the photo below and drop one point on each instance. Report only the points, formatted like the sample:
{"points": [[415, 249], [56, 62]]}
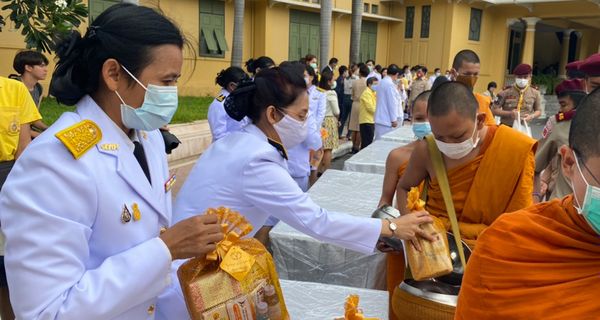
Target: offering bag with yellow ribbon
{"points": [[434, 258], [236, 282], [352, 311]]}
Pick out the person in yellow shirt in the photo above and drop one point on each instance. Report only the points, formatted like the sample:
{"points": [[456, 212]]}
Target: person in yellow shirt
{"points": [[366, 117], [17, 112]]}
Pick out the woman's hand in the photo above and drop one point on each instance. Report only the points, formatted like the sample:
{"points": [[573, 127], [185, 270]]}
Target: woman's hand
{"points": [[408, 227], [193, 237]]}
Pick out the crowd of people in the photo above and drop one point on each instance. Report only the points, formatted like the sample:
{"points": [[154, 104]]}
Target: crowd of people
{"points": [[86, 208]]}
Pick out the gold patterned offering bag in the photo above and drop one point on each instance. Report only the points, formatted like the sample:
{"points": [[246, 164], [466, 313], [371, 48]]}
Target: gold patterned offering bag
{"points": [[236, 282]]}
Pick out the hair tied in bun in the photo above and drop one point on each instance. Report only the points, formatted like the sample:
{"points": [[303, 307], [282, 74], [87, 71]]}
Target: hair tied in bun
{"points": [[240, 100], [91, 32], [64, 46]]}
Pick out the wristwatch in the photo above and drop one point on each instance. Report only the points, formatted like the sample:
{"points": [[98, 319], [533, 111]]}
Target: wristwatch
{"points": [[393, 227]]}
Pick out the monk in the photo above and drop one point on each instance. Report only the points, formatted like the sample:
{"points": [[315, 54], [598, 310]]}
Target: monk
{"points": [[543, 262], [465, 69], [490, 168], [395, 165]]}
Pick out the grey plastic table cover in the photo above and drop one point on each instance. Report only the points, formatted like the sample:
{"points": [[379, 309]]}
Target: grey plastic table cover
{"points": [[372, 158], [316, 301], [301, 257], [403, 134]]}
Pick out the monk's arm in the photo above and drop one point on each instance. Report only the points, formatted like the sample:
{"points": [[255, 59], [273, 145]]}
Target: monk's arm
{"points": [[414, 174], [522, 196], [390, 180]]}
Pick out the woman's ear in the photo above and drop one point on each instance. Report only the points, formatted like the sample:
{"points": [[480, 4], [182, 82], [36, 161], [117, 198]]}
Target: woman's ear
{"points": [[111, 74], [271, 114]]}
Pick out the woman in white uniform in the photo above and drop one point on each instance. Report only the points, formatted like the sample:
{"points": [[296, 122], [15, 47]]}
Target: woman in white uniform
{"points": [[220, 123], [247, 170], [87, 207]]}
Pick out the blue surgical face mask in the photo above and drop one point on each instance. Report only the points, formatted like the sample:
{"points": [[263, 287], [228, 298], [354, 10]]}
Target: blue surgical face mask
{"points": [[157, 110], [421, 129], [590, 207]]}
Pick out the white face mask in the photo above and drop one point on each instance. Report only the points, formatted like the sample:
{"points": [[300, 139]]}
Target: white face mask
{"points": [[291, 131], [458, 150], [334, 85], [522, 82], [437, 74], [307, 80]]}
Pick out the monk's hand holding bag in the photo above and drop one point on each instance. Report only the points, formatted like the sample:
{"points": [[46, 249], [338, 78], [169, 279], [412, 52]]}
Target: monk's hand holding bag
{"points": [[236, 281]]}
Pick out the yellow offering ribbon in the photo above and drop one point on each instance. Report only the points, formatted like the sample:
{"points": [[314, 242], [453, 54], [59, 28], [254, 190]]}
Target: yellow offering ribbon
{"points": [[414, 201], [224, 245], [521, 95], [352, 312]]}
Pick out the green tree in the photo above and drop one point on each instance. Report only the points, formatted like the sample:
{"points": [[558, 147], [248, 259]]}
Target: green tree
{"points": [[41, 21]]}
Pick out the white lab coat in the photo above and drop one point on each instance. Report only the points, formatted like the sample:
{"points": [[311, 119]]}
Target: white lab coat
{"points": [[68, 254], [220, 122], [299, 156], [386, 112]]}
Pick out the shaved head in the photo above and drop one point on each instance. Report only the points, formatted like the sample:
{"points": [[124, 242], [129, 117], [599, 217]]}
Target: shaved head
{"points": [[463, 56], [584, 135], [452, 96]]}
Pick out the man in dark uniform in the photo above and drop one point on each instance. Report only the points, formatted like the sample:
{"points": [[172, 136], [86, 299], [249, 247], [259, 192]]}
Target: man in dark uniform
{"points": [[591, 68], [521, 98]]}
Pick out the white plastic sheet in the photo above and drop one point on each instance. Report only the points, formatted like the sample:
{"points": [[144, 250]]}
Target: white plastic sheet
{"points": [[316, 301], [301, 257], [372, 158], [403, 134]]}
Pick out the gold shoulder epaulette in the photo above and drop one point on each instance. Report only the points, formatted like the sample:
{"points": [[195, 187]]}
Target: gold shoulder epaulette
{"points": [[321, 89], [220, 98], [80, 137]]}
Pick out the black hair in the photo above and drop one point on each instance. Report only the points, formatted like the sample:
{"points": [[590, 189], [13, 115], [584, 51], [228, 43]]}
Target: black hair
{"points": [[464, 56], [438, 82], [383, 70], [309, 57], [450, 96], [371, 61], [393, 70], [342, 69], [263, 62], [28, 58], [231, 74], [325, 78], [370, 80], [437, 69], [333, 60], [363, 71], [584, 133], [278, 87], [576, 96], [313, 73], [424, 69], [378, 68], [125, 32], [405, 67], [492, 85]]}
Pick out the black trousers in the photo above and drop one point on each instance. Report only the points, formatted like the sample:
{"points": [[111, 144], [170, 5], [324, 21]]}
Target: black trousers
{"points": [[367, 132], [345, 109]]}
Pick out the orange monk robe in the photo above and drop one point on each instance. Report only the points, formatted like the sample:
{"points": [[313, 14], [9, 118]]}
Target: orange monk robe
{"points": [[498, 180], [539, 263], [485, 107]]}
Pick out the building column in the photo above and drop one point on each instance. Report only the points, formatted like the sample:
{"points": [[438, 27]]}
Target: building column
{"points": [[564, 54], [529, 46]]}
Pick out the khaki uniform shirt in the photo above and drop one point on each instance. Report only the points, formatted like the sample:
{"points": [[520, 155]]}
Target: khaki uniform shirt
{"points": [[508, 100], [418, 86], [548, 158]]}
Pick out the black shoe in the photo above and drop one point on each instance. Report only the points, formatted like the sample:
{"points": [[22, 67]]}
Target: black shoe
{"points": [[354, 151]]}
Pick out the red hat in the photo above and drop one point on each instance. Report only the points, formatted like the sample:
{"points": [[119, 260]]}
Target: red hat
{"points": [[522, 70], [573, 65], [570, 86], [591, 65]]}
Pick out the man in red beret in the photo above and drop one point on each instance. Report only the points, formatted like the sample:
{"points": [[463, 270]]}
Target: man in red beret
{"points": [[573, 71], [591, 68], [521, 99], [552, 183]]}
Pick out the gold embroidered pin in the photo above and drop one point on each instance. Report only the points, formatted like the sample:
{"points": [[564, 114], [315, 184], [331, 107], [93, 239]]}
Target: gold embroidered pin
{"points": [[13, 127], [125, 215], [109, 146], [170, 183], [137, 215]]}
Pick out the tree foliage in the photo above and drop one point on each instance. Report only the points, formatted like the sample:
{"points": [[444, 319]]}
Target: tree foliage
{"points": [[42, 21]]}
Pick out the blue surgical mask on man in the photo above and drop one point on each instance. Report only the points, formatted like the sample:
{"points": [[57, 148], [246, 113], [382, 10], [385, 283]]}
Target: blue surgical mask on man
{"points": [[157, 110], [590, 207], [421, 129]]}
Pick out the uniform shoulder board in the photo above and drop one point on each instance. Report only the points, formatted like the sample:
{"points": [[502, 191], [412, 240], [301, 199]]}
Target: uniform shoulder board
{"points": [[220, 98], [321, 89], [80, 137], [279, 147]]}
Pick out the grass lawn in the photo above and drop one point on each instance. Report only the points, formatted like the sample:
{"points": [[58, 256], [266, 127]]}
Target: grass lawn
{"points": [[190, 109]]}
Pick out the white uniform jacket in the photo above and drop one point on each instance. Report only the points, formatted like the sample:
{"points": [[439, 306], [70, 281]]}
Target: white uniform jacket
{"points": [[246, 173], [220, 122], [299, 156], [69, 255], [388, 100]]}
